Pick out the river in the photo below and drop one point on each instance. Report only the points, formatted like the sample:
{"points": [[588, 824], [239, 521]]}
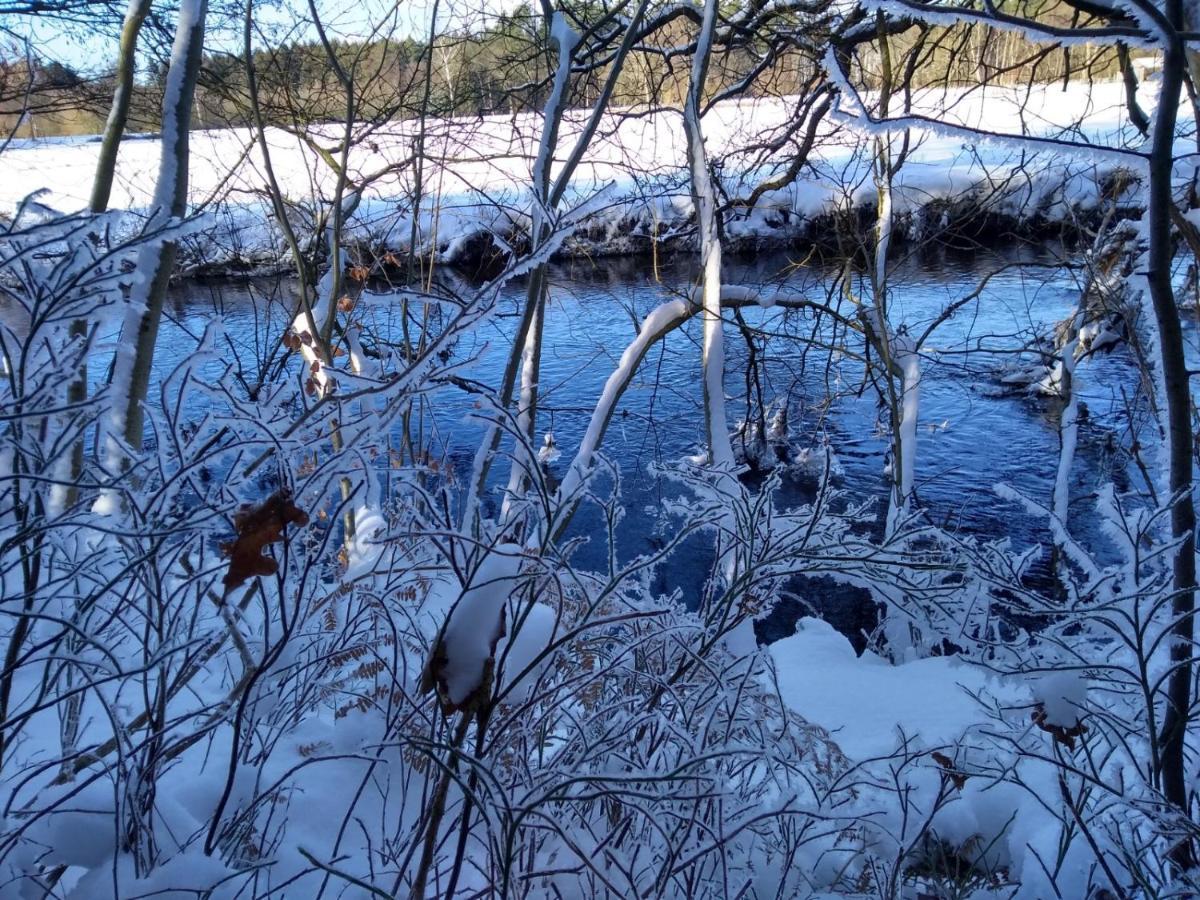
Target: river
{"points": [[973, 434]]}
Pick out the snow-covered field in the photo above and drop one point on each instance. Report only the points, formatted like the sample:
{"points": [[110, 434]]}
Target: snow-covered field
{"points": [[476, 172]]}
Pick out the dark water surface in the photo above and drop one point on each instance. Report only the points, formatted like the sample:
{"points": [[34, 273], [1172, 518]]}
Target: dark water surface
{"points": [[973, 433]]}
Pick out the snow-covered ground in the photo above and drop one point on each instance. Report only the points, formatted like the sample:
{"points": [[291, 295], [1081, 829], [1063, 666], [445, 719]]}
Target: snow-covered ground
{"points": [[476, 172], [868, 705], [604, 721], [937, 714]]}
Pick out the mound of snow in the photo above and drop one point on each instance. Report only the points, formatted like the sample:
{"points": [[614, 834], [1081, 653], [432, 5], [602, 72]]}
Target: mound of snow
{"points": [[864, 701]]}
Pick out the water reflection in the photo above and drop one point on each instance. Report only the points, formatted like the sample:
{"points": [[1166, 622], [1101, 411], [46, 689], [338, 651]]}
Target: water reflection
{"points": [[973, 434]]}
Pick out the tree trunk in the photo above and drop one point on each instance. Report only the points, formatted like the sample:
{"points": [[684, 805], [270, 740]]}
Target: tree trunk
{"points": [[118, 115], [1177, 401], [131, 372], [704, 201]]}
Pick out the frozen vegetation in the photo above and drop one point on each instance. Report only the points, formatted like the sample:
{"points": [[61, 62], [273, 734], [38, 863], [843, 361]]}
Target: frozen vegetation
{"points": [[264, 637]]}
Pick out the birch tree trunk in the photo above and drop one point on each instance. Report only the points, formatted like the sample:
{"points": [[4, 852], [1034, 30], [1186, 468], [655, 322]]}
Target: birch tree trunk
{"points": [[568, 42], [897, 352]]}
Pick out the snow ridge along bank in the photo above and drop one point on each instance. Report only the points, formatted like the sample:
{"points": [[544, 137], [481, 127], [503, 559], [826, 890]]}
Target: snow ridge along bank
{"points": [[476, 173]]}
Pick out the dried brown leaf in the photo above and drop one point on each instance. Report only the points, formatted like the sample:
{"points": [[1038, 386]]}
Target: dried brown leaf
{"points": [[256, 527]]}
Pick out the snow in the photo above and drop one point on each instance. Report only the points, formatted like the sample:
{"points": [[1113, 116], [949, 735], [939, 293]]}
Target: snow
{"points": [[179, 878], [1063, 695], [777, 426], [473, 627], [1030, 28], [548, 452], [584, 664], [483, 168], [369, 528], [868, 704], [530, 631], [890, 719]]}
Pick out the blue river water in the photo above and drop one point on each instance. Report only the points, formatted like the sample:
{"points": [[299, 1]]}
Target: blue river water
{"points": [[973, 433]]}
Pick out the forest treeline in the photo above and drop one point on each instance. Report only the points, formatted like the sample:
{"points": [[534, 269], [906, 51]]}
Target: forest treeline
{"points": [[504, 67]]}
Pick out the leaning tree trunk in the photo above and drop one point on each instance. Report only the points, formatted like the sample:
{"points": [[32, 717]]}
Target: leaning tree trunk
{"points": [[118, 115], [131, 371], [106, 164]]}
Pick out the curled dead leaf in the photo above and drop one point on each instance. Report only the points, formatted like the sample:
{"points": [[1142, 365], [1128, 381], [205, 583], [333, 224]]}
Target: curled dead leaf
{"points": [[1062, 734], [256, 527], [949, 769]]}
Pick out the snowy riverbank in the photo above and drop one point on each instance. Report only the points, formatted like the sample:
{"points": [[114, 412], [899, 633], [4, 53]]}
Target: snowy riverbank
{"points": [[476, 173]]}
